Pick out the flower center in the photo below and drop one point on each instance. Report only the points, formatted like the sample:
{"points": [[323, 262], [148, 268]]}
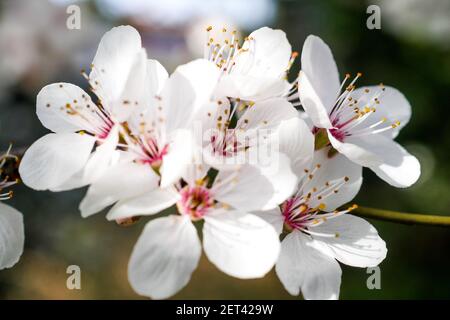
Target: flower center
{"points": [[8, 166], [154, 154], [195, 201], [222, 53], [350, 118], [305, 209]]}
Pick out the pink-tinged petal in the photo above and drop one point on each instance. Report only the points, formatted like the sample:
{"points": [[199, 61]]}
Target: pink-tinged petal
{"points": [[54, 158], [240, 244], [302, 265], [355, 242], [12, 236], [163, 259]]}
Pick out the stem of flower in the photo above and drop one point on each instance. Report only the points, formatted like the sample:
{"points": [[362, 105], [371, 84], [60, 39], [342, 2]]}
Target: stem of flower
{"points": [[402, 217]]}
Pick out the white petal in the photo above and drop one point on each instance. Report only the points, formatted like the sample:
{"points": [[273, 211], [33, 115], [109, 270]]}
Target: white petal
{"points": [[392, 105], [258, 71], [146, 204], [303, 266], [297, 142], [11, 236], [390, 161], [54, 158], [122, 181], [252, 88], [210, 113], [112, 64], [271, 50], [274, 217], [104, 156], [239, 244], [399, 168], [136, 91], [281, 178], [178, 157], [336, 167], [361, 150], [357, 242], [164, 257], [247, 189], [51, 107], [267, 114], [311, 101], [187, 89], [320, 69], [157, 76]]}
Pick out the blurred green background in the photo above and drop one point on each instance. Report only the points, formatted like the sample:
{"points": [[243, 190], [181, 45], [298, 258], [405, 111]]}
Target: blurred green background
{"points": [[411, 52]]}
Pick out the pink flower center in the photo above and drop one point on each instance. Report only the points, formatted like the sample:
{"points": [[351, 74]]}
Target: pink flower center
{"points": [[195, 201], [297, 214], [153, 153]]}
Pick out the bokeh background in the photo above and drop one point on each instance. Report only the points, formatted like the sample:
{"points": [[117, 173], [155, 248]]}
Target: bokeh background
{"points": [[410, 52]]}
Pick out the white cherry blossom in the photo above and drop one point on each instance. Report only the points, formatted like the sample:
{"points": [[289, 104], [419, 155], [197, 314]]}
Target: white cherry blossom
{"points": [[85, 134], [158, 143], [319, 232], [237, 242], [359, 123]]}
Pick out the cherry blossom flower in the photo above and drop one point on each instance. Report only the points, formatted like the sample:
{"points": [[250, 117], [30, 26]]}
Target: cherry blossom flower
{"points": [[359, 123], [319, 232], [158, 143], [237, 242], [11, 221], [64, 159]]}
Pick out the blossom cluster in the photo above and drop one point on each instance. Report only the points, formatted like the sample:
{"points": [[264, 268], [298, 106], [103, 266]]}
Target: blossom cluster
{"points": [[135, 145]]}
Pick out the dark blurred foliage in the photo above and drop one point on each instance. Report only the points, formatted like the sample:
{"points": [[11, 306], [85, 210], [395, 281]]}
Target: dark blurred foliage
{"points": [[418, 261]]}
